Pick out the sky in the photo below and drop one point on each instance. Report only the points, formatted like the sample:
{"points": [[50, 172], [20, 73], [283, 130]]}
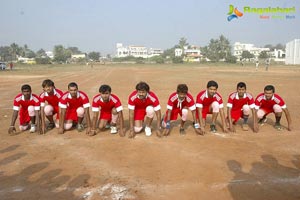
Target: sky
{"points": [[97, 25]]}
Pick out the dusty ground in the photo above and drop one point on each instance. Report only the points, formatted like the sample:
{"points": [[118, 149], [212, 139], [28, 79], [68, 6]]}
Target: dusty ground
{"points": [[236, 166]]}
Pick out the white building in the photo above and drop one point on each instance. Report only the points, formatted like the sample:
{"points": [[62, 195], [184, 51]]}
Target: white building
{"points": [[238, 49], [178, 52], [137, 51], [292, 50], [50, 54]]}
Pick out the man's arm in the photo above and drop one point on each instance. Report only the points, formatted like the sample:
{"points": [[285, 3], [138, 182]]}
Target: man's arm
{"points": [[62, 115], [198, 128], [158, 127], [43, 124], [38, 121], [87, 119], [94, 123], [131, 124], [121, 121], [288, 118], [255, 122], [231, 127], [12, 128], [167, 129], [223, 120]]}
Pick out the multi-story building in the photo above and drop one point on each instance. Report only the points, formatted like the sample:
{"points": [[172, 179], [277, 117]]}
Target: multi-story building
{"points": [[190, 54], [292, 50], [238, 49], [137, 51]]}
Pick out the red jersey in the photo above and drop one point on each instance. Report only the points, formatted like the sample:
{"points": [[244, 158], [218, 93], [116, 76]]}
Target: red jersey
{"points": [[203, 101], [113, 102], [52, 100], [175, 103], [236, 103], [263, 103], [19, 101], [70, 103], [134, 103]]}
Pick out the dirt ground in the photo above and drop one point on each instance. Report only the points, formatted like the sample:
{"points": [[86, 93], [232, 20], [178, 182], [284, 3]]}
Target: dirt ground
{"points": [[239, 166]]}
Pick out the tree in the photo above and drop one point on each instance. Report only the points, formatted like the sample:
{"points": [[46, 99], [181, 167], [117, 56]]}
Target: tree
{"points": [[41, 53], [5, 54], [263, 55], [280, 46], [247, 55], [218, 49], [14, 51], [74, 50], [94, 55], [61, 54], [157, 59], [183, 42]]}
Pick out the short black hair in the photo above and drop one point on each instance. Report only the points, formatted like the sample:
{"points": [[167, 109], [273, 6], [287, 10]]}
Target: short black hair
{"points": [[142, 86], [73, 84], [47, 82], [212, 84], [182, 88], [269, 87], [241, 85], [26, 87], [104, 88]]}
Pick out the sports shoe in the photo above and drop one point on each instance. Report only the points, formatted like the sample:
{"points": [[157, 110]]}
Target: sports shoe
{"points": [[113, 130], [80, 127], [245, 127], [148, 131], [277, 126], [50, 126], [213, 128], [182, 131], [32, 128], [262, 121]]}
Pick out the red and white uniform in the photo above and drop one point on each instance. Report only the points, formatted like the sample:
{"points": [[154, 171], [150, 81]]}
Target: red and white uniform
{"points": [[52, 100], [139, 105], [267, 105], [71, 104], [204, 102], [236, 104], [106, 107], [176, 106], [21, 105]]}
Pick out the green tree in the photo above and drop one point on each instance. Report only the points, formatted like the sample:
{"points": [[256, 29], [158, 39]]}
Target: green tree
{"points": [[247, 55], [263, 55], [61, 54], [5, 53], [157, 59], [14, 51], [74, 50], [94, 55], [217, 49], [41, 53], [182, 42]]}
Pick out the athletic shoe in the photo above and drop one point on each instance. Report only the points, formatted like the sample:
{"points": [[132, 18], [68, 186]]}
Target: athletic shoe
{"points": [[148, 131], [113, 130], [32, 128], [213, 128], [245, 127], [262, 121], [80, 127], [277, 126], [50, 126], [182, 131]]}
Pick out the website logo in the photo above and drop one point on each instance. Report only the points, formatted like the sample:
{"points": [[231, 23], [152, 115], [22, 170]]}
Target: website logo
{"points": [[233, 13]]}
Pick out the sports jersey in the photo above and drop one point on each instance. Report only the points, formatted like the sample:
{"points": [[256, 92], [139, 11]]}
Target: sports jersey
{"points": [[236, 103], [204, 102], [106, 107], [175, 103], [71, 104], [262, 103], [21, 105], [52, 100], [134, 103]]}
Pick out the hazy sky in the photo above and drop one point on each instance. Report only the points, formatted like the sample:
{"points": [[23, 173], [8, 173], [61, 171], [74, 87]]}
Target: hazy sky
{"points": [[97, 25]]}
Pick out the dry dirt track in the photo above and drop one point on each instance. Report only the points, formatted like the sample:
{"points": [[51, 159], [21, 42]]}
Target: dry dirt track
{"points": [[236, 166]]}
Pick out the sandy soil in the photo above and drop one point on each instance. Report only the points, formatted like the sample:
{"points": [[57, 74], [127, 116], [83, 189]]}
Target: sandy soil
{"points": [[239, 166]]}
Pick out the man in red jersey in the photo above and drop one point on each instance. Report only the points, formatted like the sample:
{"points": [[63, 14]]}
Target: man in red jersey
{"points": [[239, 105], [74, 106], [270, 102], [209, 101], [28, 107], [142, 102], [179, 102], [111, 111], [49, 104]]}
